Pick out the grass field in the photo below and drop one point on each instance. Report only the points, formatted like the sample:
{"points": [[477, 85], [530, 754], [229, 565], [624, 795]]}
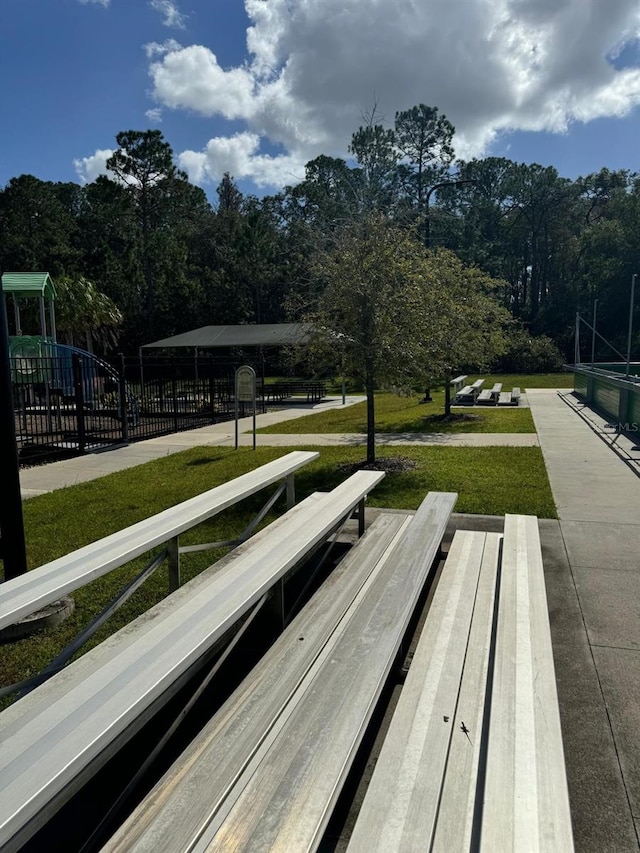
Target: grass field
{"points": [[491, 480], [396, 414]]}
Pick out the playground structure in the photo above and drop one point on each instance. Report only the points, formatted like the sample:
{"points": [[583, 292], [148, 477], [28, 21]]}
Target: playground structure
{"points": [[68, 401], [49, 379]]}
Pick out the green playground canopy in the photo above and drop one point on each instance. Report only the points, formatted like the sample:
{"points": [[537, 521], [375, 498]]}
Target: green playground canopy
{"points": [[28, 284]]}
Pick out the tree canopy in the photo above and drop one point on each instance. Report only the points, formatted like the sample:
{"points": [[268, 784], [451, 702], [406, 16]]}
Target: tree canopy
{"points": [[169, 260], [393, 313]]}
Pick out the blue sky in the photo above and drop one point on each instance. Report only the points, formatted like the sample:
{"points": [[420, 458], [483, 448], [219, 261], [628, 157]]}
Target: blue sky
{"points": [[260, 87]]}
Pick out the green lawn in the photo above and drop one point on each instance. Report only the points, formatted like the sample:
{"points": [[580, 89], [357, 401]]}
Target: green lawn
{"points": [[509, 380], [396, 414], [491, 480]]}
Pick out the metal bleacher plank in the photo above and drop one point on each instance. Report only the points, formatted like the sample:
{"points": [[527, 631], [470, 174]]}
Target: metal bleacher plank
{"points": [[65, 734], [459, 807], [39, 587], [182, 803], [526, 802], [285, 800], [400, 807], [485, 397]]}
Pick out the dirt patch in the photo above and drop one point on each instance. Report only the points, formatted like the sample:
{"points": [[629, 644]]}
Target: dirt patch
{"points": [[453, 418], [390, 465]]}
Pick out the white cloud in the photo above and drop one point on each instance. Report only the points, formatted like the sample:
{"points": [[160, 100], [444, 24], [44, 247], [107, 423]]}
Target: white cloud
{"points": [[172, 15], [154, 115], [191, 78], [239, 155], [88, 168], [154, 49], [315, 66], [104, 3]]}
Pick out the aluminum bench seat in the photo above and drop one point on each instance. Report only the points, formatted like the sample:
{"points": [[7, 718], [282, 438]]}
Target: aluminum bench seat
{"points": [[35, 589], [458, 382], [473, 758], [445, 686], [526, 798], [469, 393], [288, 767], [62, 731], [465, 395], [193, 790]]}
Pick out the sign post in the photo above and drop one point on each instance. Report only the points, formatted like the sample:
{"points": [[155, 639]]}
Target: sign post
{"points": [[246, 393]]}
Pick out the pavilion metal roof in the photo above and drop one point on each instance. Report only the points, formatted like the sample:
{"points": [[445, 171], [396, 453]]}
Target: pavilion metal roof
{"points": [[264, 334], [28, 284]]}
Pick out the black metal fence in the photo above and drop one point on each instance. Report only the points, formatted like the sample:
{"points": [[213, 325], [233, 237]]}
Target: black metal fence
{"points": [[73, 403], [165, 395]]}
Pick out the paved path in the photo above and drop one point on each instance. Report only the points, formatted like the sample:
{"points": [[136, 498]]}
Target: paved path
{"points": [[593, 585]]}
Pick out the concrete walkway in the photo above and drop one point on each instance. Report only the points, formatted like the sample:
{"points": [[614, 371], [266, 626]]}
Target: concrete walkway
{"points": [[592, 570]]}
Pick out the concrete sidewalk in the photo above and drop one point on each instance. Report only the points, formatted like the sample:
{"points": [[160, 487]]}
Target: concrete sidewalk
{"points": [[592, 571]]}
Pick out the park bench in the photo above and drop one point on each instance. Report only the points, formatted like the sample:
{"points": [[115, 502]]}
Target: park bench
{"points": [[312, 391], [23, 595], [266, 771], [60, 734], [473, 758]]}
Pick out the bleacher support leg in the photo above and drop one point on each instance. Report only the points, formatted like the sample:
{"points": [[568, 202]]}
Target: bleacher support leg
{"points": [[173, 559], [291, 491]]}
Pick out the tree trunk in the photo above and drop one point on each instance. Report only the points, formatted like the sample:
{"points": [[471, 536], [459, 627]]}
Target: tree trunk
{"points": [[371, 422], [447, 395]]}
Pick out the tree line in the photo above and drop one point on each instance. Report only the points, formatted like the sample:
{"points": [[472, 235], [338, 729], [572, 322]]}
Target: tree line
{"points": [[170, 261]]}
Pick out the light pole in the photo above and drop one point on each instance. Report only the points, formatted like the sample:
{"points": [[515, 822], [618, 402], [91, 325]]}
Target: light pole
{"points": [[633, 288]]}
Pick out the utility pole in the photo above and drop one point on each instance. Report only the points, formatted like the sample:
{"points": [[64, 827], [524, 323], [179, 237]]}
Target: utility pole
{"points": [[633, 288], [11, 522]]}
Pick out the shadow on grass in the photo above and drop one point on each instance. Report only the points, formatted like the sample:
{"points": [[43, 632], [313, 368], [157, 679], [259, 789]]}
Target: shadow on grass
{"points": [[204, 460]]}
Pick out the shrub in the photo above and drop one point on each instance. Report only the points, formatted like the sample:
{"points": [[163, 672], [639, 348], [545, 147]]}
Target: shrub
{"points": [[525, 353]]}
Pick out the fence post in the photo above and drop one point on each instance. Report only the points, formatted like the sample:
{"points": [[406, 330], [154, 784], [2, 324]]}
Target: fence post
{"points": [[174, 394], [78, 389], [124, 407]]}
